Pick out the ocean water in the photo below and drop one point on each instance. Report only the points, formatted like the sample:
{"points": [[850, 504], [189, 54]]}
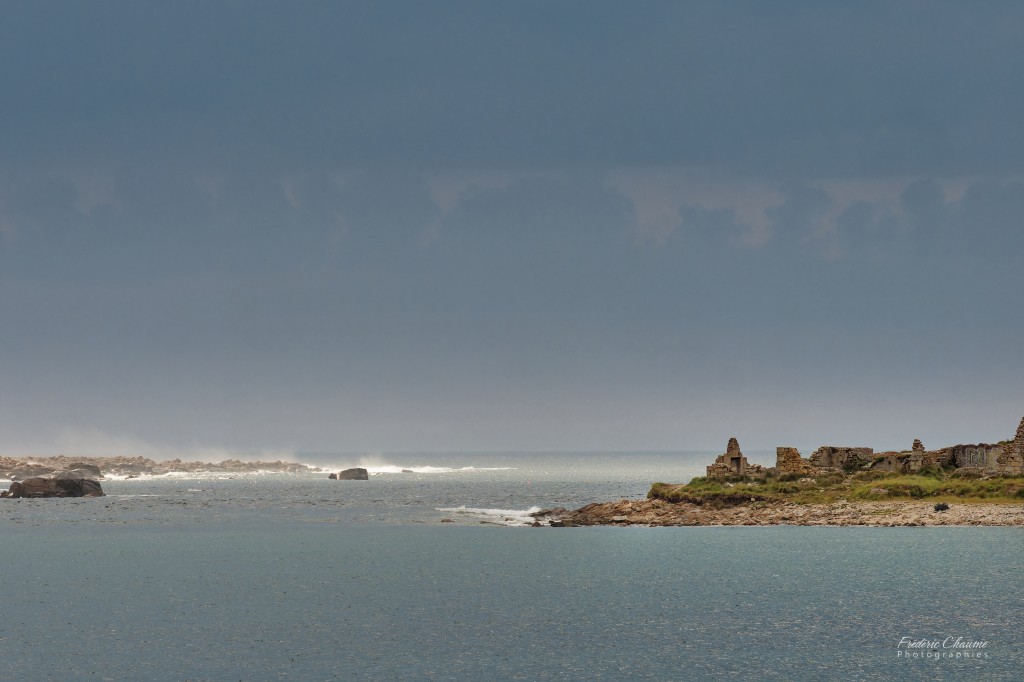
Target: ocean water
{"points": [[294, 577]]}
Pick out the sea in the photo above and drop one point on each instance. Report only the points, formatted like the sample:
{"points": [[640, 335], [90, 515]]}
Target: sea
{"points": [[430, 571]]}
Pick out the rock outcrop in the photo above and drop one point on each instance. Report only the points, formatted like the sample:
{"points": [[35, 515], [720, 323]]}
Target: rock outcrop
{"points": [[54, 487]]}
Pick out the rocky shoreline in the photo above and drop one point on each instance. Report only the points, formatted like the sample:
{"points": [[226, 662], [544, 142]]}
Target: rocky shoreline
{"points": [[655, 512], [98, 467]]}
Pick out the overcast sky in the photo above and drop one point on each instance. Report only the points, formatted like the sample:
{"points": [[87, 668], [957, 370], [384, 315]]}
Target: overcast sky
{"points": [[383, 226]]}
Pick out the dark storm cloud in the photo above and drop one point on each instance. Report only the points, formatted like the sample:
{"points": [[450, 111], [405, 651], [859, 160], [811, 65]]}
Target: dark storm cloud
{"points": [[795, 89]]}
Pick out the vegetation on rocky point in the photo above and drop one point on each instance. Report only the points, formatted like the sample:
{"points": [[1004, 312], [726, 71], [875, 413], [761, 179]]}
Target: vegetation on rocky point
{"points": [[935, 484]]}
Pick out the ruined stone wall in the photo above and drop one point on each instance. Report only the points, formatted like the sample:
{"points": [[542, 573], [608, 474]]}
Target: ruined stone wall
{"points": [[891, 461], [832, 457], [935, 458], [981, 456], [789, 461], [1018, 445], [1018, 441], [1012, 459], [908, 461]]}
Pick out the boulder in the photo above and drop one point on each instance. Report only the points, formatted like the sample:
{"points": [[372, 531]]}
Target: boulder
{"points": [[14, 491], [356, 474], [333, 477], [55, 487]]}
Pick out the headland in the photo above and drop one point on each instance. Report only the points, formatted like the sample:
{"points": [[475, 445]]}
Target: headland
{"points": [[959, 485]]}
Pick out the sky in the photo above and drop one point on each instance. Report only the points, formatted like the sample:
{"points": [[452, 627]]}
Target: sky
{"points": [[581, 225]]}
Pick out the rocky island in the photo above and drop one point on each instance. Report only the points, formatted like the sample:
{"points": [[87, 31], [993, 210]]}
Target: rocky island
{"points": [[14, 469], [959, 485]]}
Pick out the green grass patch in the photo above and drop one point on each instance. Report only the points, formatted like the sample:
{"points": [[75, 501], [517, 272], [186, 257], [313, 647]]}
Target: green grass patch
{"points": [[936, 485], [1005, 488]]}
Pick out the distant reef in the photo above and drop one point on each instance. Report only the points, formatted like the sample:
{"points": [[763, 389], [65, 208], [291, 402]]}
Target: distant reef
{"points": [[966, 485], [98, 467]]}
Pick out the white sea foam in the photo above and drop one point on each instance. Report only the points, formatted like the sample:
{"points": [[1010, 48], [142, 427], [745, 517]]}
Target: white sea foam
{"points": [[510, 517], [203, 475], [395, 469]]}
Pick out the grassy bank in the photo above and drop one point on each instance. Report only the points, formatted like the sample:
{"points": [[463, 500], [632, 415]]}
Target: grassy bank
{"points": [[937, 485]]}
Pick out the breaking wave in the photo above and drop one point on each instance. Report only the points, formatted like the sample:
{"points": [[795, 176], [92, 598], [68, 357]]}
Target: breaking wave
{"points": [[376, 464], [508, 517]]}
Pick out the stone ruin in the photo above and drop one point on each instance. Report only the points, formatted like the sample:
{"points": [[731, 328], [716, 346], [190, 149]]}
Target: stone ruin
{"points": [[1005, 458], [841, 458], [1012, 457], [789, 461], [733, 463]]}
